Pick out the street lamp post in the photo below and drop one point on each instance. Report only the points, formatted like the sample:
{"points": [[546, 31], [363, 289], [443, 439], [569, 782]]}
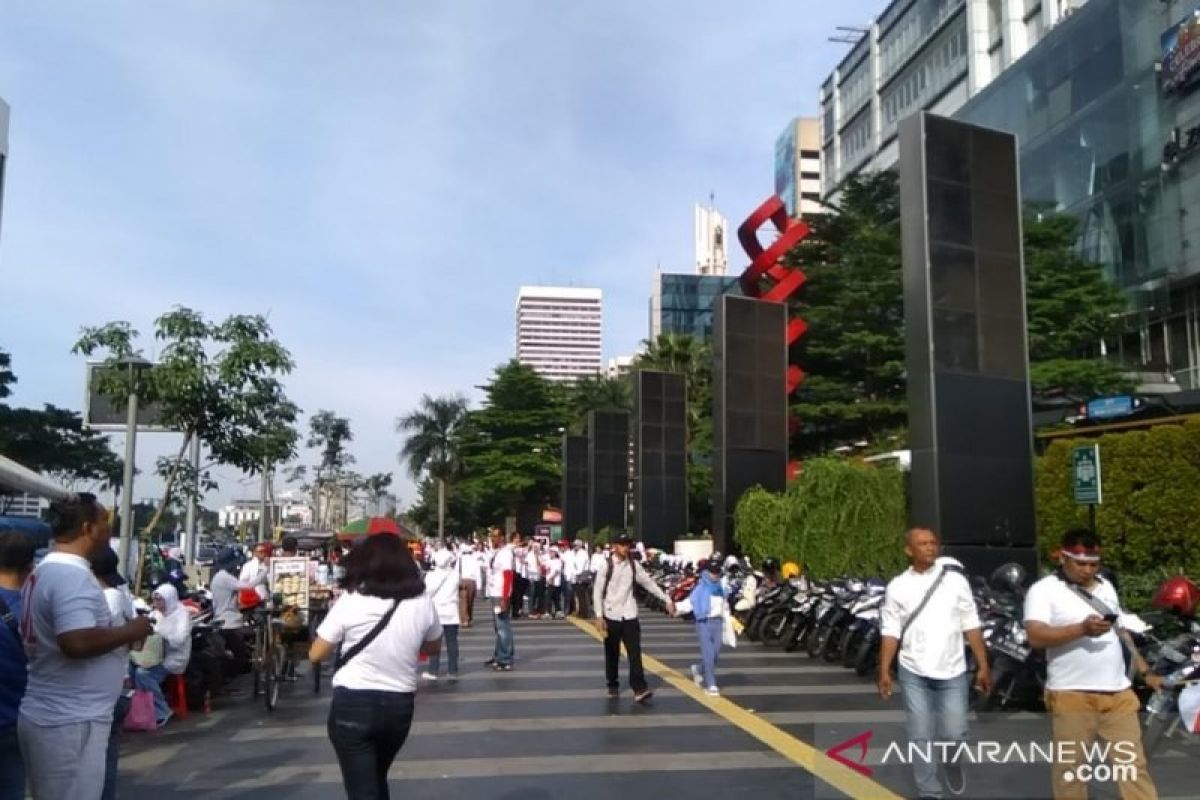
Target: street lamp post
{"points": [[134, 364]]}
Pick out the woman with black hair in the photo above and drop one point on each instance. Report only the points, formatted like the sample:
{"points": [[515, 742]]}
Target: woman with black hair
{"points": [[379, 627]]}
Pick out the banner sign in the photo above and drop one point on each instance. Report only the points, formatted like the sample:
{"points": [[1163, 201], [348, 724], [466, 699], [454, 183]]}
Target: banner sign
{"points": [[1181, 53]]}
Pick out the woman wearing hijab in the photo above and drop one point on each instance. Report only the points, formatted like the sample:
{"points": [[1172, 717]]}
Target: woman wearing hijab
{"points": [[708, 605], [383, 622], [174, 624], [441, 584]]}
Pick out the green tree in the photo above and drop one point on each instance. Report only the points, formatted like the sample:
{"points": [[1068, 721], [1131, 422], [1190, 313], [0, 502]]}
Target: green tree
{"points": [[691, 357], [7, 378], [1071, 307], [376, 486], [53, 441], [597, 393], [330, 434], [510, 446], [431, 444], [218, 381], [853, 352]]}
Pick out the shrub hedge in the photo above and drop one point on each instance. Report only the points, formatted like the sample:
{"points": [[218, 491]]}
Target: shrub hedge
{"points": [[837, 517], [1149, 522]]}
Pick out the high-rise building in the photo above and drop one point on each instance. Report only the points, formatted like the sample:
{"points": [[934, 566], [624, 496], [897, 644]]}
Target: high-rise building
{"points": [[559, 331], [798, 167], [712, 251], [922, 54], [1106, 110], [3, 151], [681, 303]]}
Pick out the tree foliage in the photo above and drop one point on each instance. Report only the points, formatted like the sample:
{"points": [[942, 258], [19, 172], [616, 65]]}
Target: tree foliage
{"points": [[853, 351], [597, 393], [431, 445], [219, 381], [330, 434], [511, 445], [53, 441], [838, 517]]}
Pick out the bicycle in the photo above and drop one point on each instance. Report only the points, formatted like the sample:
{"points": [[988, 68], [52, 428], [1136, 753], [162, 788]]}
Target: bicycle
{"points": [[267, 659]]}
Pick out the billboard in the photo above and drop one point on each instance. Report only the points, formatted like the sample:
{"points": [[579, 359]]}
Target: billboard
{"points": [[102, 414], [1181, 53]]}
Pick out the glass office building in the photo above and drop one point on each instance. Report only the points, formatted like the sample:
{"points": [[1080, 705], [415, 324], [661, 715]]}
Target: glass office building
{"points": [[1107, 123], [682, 303]]}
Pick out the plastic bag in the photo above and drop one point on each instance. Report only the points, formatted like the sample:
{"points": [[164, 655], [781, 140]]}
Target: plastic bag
{"points": [[684, 606], [141, 712], [728, 634]]}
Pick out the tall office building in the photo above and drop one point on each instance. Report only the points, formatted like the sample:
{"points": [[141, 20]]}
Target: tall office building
{"points": [[922, 54], [559, 331], [798, 167], [3, 151], [712, 250], [684, 303]]}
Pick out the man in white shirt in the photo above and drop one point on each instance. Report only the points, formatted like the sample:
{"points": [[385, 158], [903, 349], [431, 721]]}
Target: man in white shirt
{"points": [[1075, 615], [77, 659], [925, 613], [501, 576], [583, 579], [617, 616], [254, 571]]}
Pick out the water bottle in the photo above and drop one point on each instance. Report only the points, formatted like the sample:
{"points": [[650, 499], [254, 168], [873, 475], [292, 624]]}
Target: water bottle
{"points": [[323, 574]]}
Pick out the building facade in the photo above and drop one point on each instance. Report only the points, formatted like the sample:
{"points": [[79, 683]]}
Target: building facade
{"points": [[712, 249], [798, 167], [681, 303], [559, 331], [921, 54], [1107, 116]]}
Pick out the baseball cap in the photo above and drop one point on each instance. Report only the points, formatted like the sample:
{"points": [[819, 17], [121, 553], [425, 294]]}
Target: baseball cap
{"points": [[623, 538], [105, 565]]}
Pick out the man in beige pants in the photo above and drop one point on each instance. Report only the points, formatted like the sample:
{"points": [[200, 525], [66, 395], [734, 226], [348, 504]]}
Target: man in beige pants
{"points": [[1075, 615]]}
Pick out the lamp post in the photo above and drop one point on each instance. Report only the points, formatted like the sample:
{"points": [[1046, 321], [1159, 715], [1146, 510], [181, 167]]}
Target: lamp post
{"points": [[134, 364]]}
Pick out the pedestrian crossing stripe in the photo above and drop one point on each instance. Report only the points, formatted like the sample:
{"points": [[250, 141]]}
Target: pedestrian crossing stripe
{"points": [[798, 752]]}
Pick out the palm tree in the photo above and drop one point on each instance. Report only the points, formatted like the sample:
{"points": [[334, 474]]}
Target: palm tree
{"points": [[596, 393], [431, 443]]}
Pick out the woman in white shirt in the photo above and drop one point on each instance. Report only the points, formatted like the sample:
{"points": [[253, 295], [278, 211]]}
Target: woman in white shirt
{"points": [[441, 585], [174, 624], [384, 621]]}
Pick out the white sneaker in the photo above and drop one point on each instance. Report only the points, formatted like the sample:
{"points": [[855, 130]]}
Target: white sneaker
{"points": [[429, 676], [697, 676], [714, 691]]}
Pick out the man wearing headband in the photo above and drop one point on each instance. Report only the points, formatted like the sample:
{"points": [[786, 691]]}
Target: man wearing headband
{"points": [[1074, 614]]}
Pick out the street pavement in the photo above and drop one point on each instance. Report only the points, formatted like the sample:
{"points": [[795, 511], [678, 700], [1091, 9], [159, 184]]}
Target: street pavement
{"points": [[548, 730]]}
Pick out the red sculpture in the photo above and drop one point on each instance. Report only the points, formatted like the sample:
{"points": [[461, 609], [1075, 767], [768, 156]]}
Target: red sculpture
{"points": [[768, 279]]}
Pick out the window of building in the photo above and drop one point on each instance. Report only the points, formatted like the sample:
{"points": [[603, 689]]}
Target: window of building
{"points": [[810, 154], [810, 176]]}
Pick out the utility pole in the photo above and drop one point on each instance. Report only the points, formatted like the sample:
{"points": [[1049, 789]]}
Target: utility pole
{"points": [[262, 505], [190, 523], [125, 556]]}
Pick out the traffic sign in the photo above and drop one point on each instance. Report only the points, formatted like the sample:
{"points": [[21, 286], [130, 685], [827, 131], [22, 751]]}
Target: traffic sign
{"points": [[1085, 474]]}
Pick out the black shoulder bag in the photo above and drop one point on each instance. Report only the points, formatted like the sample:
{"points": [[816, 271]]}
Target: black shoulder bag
{"points": [[366, 640]]}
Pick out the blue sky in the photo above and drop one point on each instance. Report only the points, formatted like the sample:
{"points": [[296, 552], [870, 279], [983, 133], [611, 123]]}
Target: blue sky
{"points": [[377, 177]]}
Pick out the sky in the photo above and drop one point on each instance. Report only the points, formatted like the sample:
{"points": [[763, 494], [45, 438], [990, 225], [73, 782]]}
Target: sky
{"points": [[377, 178]]}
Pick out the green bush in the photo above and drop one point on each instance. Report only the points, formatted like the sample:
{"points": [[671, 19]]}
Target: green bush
{"points": [[1148, 522], [837, 517]]}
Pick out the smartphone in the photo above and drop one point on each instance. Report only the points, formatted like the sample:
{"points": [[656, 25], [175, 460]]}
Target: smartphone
{"points": [[1110, 618]]}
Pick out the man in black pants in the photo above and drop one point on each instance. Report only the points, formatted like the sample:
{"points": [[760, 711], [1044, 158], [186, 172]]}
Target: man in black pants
{"points": [[617, 617]]}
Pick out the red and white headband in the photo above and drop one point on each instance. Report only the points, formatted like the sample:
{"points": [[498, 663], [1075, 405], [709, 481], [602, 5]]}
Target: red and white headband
{"points": [[1081, 554]]}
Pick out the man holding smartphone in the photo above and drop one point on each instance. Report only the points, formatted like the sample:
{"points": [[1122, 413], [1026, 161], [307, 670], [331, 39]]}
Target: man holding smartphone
{"points": [[1075, 615]]}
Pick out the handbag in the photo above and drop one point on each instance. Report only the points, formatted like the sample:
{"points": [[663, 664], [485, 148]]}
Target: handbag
{"points": [[366, 640], [728, 633], [141, 712], [150, 654]]}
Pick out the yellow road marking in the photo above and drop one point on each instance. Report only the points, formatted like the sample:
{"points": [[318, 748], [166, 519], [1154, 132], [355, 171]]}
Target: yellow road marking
{"points": [[798, 752]]}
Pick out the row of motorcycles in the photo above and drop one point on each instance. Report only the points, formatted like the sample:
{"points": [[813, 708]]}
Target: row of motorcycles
{"points": [[838, 621]]}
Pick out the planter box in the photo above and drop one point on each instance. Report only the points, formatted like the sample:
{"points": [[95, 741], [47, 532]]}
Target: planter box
{"points": [[694, 549]]}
